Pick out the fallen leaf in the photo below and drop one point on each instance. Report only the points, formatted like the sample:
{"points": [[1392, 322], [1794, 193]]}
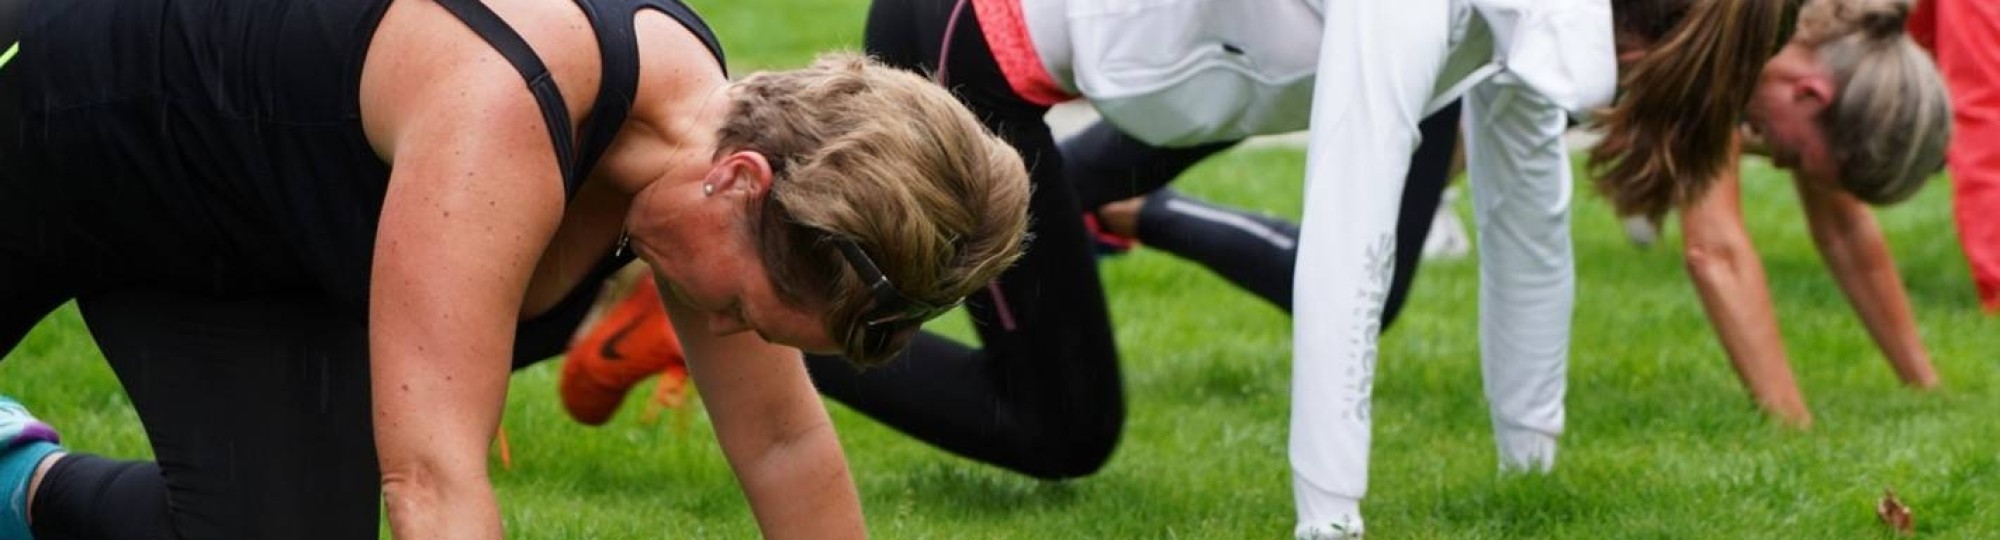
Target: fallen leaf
{"points": [[1895, 515]]}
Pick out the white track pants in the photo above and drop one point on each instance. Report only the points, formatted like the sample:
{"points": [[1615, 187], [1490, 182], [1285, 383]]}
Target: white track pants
{"points": [[1379, 65]]}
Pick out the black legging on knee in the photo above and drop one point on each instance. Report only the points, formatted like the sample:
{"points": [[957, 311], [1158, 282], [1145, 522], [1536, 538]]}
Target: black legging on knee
{"points": [[1253, 251], [1043, 396], [82, 494], [258, 415]]}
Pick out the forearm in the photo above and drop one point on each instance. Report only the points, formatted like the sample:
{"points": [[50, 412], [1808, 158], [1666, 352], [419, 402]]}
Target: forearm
{"points": [[1859, 258], [800, 487], [437, 397], [432, 429], [1738, 304], [774, 431], [1730, 281]]}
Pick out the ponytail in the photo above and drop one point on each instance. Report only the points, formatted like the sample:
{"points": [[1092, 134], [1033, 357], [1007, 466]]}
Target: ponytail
{"points": [[1673, 129]]}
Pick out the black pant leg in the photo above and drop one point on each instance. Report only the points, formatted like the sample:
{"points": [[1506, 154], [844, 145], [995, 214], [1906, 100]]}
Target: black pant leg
{"points": [[1423, 190], [1043, 395], [257, 411], [1253, 251], [129, 499], [1106, 165], [1257, 252]]}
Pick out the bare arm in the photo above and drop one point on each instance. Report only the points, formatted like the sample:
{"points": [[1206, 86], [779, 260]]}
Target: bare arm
{"points": [[1852, 245], [464, 221], [774, 431], [1730, 278]]}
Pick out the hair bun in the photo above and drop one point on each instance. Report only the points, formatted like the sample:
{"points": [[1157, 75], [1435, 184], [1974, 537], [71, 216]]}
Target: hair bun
{"points": [[1884, 19], [1823, 20]]}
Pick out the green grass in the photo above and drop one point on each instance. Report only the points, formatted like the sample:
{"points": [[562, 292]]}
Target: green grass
{"points": [[1662, 441]]}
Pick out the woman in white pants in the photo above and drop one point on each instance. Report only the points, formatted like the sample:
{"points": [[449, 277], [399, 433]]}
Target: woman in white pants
{"points": [[1520, 68]]}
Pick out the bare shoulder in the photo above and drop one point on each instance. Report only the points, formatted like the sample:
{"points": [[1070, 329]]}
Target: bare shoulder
{"points": [[674, 63], [425, 63], [678, 76]]}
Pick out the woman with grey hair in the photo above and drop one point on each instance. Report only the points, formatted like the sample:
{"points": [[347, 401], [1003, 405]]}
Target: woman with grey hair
{"points": [[1859, 115]]}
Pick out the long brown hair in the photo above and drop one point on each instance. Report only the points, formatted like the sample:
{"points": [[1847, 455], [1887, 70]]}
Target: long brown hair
{"points": [[1672, 130]]}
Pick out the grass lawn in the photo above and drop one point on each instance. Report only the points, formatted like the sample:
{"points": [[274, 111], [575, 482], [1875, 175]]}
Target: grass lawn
{"points": [[1662, 441]]}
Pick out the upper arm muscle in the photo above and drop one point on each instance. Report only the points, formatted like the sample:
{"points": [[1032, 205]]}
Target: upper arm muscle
{"points": [[474, 196]]}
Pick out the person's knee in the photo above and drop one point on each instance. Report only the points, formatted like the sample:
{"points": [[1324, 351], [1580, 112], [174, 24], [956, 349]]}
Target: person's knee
{"points": [[1075, 445]]}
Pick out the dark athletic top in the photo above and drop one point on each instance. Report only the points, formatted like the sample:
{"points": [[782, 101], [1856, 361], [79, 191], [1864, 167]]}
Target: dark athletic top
{"points": [[216, 145]]}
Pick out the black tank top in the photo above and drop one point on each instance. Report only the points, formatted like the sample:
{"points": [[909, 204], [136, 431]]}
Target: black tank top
{"points": [[218, 144]]}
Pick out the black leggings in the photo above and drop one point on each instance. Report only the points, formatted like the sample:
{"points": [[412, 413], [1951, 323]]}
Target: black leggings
{"points": [[1253, 251], [258, 415], [1043, 397], [257, 408]]}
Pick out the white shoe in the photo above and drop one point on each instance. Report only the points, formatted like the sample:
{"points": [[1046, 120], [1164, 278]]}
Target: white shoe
{"points": [[1347, 530], [1325, 515], [1448, 240]]}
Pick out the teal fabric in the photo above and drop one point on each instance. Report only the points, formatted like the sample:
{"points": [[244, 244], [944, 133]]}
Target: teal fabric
{"points": [[17, 466], [24, 441]]}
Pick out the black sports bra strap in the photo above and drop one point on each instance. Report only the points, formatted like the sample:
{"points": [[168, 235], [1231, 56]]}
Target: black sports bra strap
{"points": [[618, 51], [555, 112], [618, 45]]}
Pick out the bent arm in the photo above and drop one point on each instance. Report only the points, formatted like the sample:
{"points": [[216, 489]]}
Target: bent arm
{"points": [[1730, 279], [774, 431], [1852, 245], [464, 221]]}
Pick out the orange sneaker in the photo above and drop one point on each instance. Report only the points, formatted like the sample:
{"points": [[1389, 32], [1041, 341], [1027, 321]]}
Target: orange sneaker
{"points": [[632, 341]]}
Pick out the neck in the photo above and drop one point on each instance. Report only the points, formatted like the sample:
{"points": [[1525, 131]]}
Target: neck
{"points": [[666, 140]]}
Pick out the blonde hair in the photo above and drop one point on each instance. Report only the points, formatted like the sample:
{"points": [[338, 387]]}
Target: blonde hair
{"points": [[865, 153], [1673, 128], [1890, 120]]}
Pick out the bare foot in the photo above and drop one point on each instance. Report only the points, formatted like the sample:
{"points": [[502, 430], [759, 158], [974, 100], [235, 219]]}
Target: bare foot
{"points": [[1121, 217]]}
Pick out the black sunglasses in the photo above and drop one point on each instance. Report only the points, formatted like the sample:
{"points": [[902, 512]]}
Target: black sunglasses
{"points": [[890, 314]]}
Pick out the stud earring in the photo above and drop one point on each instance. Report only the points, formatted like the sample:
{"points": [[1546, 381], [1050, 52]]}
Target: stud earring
{"points": [[707, 189]]}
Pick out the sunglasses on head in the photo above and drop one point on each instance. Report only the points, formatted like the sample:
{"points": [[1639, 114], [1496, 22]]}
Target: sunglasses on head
{"points": [[890, 313]]}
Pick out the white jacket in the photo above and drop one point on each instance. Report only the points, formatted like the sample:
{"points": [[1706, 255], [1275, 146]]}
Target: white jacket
{"points": [[1185, 72]]}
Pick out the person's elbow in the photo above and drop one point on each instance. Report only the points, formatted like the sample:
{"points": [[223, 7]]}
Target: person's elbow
{"points": [[1709, 259], [422, 485], [780, 446]]}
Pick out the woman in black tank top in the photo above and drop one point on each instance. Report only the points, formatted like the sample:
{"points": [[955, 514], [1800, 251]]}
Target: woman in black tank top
{"points": [[296, 227]]}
